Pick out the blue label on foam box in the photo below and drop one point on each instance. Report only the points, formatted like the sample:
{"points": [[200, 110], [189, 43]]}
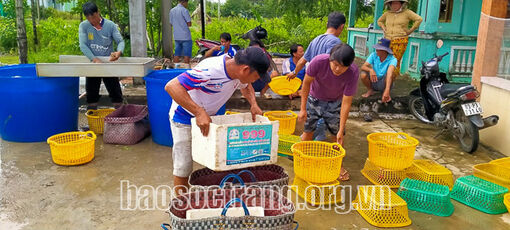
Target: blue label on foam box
{"points": [[246, 144]]}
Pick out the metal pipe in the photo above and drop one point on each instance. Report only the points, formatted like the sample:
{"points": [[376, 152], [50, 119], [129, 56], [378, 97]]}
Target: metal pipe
{"points": [[490, 121]]}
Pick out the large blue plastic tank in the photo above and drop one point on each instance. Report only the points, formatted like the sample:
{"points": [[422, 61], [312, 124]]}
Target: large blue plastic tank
{"points": [[32, 108]]}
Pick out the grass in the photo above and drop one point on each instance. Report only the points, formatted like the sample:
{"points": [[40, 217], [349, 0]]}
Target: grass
{"points": [[9, 59]]}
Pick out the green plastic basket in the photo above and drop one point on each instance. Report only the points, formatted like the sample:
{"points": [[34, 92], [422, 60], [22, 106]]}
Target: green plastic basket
{"points": [[426, 197], [479, 194], [286, 141]]}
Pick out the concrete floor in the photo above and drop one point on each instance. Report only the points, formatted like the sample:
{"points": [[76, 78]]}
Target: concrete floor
{"points": [[37, 194]]}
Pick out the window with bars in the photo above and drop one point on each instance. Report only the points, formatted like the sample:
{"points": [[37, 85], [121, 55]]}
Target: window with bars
{"points": [[504, 56], [414, 54], [360, 45]]}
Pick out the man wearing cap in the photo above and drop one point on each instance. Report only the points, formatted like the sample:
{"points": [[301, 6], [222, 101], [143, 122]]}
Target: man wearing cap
{"points": [[201, 92], [377, 73]]}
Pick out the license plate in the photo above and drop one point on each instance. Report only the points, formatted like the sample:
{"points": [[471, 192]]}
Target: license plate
{"points": [[472, 108]]}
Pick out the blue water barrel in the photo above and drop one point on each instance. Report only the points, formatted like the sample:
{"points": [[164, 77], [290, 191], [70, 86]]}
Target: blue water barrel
{"points": [[32, 108], [159, 102]]}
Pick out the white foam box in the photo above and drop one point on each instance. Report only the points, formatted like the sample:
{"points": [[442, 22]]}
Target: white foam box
{"points": [[235, 141]]}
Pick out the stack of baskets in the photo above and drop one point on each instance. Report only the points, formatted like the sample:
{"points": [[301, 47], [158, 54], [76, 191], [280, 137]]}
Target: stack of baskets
{"points": [[285, 143], [487, 189], [317, 166], [389, 155], [287, 120]]}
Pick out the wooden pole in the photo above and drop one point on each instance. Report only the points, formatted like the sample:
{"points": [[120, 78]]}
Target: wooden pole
{"points": [[33, 6], [166, 5], [22, 33]]}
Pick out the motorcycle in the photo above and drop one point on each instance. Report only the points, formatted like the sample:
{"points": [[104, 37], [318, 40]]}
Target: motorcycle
{"points": [[205, 44], [451, 107]]}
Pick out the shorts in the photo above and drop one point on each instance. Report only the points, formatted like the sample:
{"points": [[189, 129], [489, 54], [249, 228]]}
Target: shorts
{"points": [[183, 48], [329, 111], [380, 85], [259, 84], [181, 151]]}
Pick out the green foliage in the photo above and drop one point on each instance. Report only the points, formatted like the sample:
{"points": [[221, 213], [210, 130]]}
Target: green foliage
{"points": [[10, 8], [281, 34], [56, 37], [8, 41], [364, 22], [8, 59], [53, 13], [287, 22]]}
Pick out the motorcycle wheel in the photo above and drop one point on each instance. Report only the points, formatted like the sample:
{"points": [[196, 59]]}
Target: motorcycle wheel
{"points": [[418, 109], [469, 136]]}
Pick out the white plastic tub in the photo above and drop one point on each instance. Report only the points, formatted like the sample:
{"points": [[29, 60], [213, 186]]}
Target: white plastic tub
{"points": [[235, 141]]}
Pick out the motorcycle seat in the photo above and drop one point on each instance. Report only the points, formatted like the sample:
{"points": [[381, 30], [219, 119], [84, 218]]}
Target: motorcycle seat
{"points": [[448, 90]]}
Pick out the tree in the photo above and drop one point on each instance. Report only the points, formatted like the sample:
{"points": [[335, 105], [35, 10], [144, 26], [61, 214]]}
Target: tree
{"points": [[22, 33], [34, 24]]}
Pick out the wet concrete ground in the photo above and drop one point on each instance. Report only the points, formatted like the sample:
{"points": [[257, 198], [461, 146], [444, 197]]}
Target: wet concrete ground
{"points": [[37, 194]]}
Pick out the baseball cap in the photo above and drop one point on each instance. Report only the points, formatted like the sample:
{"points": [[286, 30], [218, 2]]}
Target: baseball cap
{"points": [[256, 59]]}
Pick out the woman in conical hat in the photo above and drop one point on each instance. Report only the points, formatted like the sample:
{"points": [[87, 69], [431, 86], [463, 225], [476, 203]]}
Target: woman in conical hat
{"points": [[395, 24]]}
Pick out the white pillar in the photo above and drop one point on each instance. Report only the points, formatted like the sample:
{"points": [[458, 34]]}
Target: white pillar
{"points": [[138, 28]]}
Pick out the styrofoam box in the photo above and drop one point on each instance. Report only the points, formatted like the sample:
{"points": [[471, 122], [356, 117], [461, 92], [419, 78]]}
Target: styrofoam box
{"points": [[235, 141]]}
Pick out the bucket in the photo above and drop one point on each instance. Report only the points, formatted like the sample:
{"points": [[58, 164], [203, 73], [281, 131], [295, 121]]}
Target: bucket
{"points": [[159, 102]]}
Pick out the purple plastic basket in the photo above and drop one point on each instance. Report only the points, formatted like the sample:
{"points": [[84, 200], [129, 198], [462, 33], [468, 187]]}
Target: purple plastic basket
{"points": [[127, 125]]}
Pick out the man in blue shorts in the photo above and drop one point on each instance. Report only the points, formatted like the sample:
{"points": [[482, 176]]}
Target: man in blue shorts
{"points": [[181, 21]]}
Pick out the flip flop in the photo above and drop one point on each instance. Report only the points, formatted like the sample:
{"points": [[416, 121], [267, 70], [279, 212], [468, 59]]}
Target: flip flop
{"points": [[367, 117], [344, 175]]}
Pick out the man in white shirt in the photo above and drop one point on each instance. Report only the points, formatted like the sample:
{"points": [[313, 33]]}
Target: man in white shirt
{"points": [[201, 92]]}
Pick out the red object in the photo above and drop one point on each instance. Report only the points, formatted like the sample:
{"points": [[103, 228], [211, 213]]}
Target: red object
{"points": [[270, 175], [469, 96]]}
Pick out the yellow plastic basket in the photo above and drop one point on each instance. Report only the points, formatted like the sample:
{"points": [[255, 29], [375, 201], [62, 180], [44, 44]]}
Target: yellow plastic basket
{"points": [[393, 151], [494, 173], [430, 171], [96, 119], [230, 113], [507, 201], [284, 87], [381, 207], [505, 162], [317, 161], [287, 120], [72, 148], [285, 143], [381, 176], [318, 194]]}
